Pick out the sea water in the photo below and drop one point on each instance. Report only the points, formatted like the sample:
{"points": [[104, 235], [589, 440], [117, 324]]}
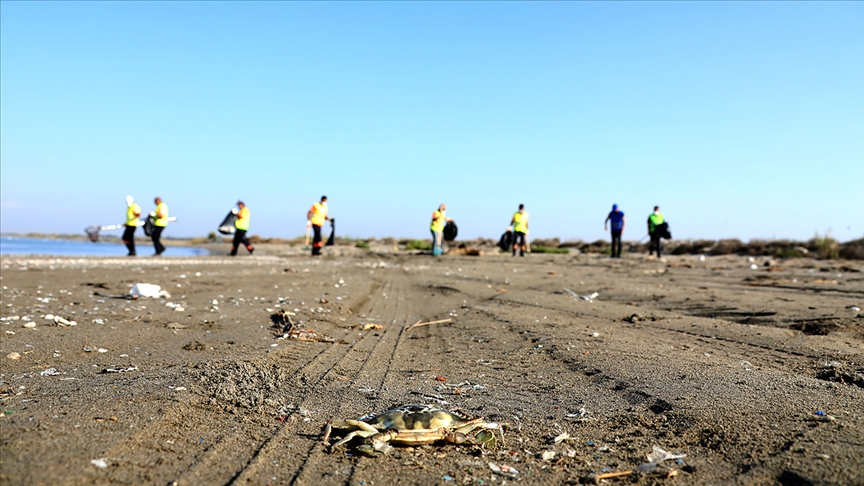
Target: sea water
{"points": [[13, 245]]}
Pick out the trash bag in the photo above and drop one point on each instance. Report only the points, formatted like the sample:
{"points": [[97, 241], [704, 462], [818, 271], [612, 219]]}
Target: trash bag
{"points": [[663, 230], [149, 224], [332, 240], [227, 225], [450, 231], [92, 233], [506, 241]]}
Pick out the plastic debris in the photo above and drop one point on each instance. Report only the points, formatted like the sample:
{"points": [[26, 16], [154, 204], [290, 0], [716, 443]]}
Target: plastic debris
{"points": [[100, 463], [560, 438], [120, 370], [548, 455], [49, 372], [504, 470], [658, 455], [590, 298], [147, 290], [821, 416]]}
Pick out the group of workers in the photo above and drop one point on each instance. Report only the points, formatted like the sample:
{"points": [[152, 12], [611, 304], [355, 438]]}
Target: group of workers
{"points": [[318, 215], [158, 216], [656, 230]]}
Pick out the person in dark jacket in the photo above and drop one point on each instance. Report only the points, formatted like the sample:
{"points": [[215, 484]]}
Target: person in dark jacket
{"points": [[616, 217]]}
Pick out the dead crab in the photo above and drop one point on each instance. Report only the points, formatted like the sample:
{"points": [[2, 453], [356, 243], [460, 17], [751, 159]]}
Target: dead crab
{"points": [[414, 425]]}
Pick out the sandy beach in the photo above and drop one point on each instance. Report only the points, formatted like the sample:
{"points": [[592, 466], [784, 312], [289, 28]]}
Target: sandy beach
{"points": [[755, 375]]}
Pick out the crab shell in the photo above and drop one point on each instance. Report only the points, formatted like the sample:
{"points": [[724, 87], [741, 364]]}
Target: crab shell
{"points": [[415, 425]]}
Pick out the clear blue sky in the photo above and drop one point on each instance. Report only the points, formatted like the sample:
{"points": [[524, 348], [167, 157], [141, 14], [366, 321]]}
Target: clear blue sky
{"points": [[739, 119]]}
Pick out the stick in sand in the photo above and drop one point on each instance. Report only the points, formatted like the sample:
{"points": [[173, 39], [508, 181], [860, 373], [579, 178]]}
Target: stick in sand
{"points": [[421, 324]]}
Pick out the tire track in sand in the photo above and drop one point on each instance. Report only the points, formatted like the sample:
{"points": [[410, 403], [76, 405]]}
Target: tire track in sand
{"points": [[331, 397]]}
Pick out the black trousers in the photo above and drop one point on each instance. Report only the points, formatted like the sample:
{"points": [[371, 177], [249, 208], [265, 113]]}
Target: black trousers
{"points": [[129, 238], [316, 239], [240, 237], [655, 244], [616, 244], [517, 237], [155, 235]]}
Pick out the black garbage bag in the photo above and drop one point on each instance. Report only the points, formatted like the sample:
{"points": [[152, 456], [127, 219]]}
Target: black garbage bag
{"points": [[450, 231], [663, 230], [149, 224], [506, 241], [226, 227], [332, 240]]}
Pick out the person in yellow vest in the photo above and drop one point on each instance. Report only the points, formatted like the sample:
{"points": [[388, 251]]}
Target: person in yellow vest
{"points": [[315, 218], [520, 230], [655, 219], [133, 211], [160, 216], [439, 221], [241, 226]]}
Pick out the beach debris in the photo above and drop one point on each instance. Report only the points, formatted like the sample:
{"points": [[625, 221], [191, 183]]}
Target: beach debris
{"points": [[420, 323], [119, 369], [64, 322], [435, 398], [413, 425], [821, 416], [658, 455], [288, 330], [504, 470], [854, 308], [579, 416], [101, 463], [14, 355], [148, 290], [29, 325], [370, 326], [49, 372], [588, 297], [560, 438], [548, 455], [596, 478]]}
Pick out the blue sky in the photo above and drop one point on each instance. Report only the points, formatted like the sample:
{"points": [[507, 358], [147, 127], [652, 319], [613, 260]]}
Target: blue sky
{"points": [[739, 119]]}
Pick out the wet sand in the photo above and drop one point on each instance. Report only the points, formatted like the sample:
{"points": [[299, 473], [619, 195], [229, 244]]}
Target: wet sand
{"points": [[712, 359]]}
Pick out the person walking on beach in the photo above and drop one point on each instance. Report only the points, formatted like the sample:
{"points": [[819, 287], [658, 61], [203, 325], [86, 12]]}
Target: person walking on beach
{"points": [[133, 211], [241, 226], [160, 216], [616, 217], [439, 221], [655, 219], [315, 218], [519, 223]]}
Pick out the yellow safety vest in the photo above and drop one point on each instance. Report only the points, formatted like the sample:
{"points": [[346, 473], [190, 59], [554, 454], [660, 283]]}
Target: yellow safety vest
{"points": [[655, 220], [242, 221], [319, 213], [520, 222], [161, 215], [439, 220], [132, 213]]}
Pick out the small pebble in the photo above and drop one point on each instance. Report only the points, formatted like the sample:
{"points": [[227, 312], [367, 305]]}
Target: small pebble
{"points": [[14, 355], [29, 325]]}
